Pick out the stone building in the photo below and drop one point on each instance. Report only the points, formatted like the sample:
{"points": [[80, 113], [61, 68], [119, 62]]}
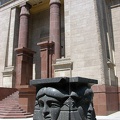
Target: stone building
{"points": [[58, 38]]}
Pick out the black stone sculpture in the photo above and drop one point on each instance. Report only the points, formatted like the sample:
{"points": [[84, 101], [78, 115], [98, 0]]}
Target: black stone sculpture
{"points": [[64, 99]]}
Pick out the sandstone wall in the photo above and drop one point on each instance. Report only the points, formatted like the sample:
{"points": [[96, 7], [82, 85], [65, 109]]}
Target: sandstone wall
{"points": [[83, 39], [115, 13], [8, 42]]}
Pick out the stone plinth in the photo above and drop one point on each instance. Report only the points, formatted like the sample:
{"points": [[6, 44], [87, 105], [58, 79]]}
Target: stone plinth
{"points": [[46, 52], [106, 99], [24, 64], [27, 98], [64, 99], [24, 67]]}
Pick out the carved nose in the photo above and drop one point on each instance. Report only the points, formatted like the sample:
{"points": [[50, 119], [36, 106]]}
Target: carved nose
{"points": [[90, 109], [45, 110]]}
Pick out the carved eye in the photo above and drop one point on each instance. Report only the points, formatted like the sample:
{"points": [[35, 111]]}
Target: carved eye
{"points": [[41, 103], [54, 105]]}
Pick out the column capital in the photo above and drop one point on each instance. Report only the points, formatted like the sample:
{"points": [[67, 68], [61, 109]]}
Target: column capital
{"points": [[55, 2], [25, 8], [25, 4]]}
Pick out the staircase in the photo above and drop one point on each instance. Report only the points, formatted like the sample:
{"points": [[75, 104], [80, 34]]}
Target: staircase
{"points": [[10, 108]]}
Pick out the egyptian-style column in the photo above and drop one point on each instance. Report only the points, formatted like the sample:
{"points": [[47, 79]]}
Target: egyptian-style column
{"points": [[23, 30], [24, 62], [55, 27], [24, 55], [50, 50]]}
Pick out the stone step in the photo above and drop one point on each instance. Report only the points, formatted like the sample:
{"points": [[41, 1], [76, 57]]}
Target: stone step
{"points": [[7, 105], [24, 116], [9, 117], [16, 114], [7, 100], [10, 103], [10, 108], [12, 111]]}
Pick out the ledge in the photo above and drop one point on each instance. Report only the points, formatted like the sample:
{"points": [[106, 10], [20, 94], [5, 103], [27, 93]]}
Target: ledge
{"points": [[10, 1], [110, 64], [63, 80]]}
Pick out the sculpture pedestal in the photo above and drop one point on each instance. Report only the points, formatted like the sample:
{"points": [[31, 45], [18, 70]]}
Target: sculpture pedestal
{"points": [[64, 98]]}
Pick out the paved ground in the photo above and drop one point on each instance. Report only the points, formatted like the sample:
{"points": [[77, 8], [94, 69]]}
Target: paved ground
{"points": [[114, 116]]}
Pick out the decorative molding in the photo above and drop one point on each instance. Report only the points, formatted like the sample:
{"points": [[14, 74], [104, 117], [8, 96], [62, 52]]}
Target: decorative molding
{"points": [[110, 64], [8, 71], [63, 67]]}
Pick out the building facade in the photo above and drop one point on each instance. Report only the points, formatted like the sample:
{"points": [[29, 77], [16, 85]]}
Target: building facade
{"points": [[62, 38]]}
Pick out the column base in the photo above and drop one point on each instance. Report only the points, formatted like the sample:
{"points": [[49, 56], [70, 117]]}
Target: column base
{"points": [[119, 96], [27, 98], [46, 52]]}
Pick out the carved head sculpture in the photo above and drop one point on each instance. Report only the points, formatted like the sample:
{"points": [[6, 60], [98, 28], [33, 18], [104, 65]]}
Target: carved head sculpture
{"points": [[78, 101], [64, 99], [83, 97], [49, 101]]}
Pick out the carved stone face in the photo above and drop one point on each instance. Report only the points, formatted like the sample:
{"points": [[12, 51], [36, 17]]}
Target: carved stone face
{"points": [[49, 107], [49, 101], [89, 112], [83, 99]]}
